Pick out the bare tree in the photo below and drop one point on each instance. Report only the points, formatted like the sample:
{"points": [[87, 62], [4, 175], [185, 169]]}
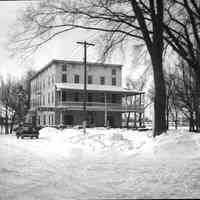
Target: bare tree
{"points": [[182, 34], [15, 99], [6, 100], [182, 94]]}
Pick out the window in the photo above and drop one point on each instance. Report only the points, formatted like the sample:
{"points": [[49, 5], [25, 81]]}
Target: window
{"points": [[52, 80], [76, 97], [102, 98], [113, 80], [38, 120], [40, 85], [114, 98], [49, 119], [102, 80], [48, 98], [44, 119], [52, 122], [76, 78], [52, 97], [43, 83], [64, 78], [43, 100], [40, 101], [89, 97], [64, 96], [113, 71], [89, 79], [64, 67], [49, 81]]}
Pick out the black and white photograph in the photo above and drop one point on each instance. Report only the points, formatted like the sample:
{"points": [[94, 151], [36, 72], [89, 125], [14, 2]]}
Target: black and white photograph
{"points": [[99, 99]]}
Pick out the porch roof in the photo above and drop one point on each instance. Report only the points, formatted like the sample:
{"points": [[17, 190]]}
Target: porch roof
{"points": [[97, 88]]}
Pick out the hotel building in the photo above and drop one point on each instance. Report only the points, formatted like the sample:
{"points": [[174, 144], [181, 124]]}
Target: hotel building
{"points": [[57, 91]]}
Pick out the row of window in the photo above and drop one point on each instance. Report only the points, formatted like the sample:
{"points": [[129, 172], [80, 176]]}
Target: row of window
{"points": [[46, 120], [50, 99], [89, 80], [90, 97], [64, 69], [76, 97], [42, 100], [39, 85]]}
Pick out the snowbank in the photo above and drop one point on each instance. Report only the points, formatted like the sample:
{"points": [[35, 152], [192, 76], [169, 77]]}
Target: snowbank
{"points": [[97, 139], [177, 143], [173, 143]]}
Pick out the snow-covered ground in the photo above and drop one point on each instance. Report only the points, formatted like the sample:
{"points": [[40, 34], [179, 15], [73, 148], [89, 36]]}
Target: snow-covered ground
{"points": [[103, 164]]}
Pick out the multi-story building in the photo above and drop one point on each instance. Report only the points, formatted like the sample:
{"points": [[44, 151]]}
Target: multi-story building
{"points": [[57, 91]]}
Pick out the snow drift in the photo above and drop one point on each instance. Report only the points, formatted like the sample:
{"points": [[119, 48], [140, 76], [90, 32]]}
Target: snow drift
{"points": [[172, 143]]}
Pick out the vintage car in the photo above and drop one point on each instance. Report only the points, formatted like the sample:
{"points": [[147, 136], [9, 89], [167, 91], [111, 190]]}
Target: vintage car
{"points": [[27, 130]]}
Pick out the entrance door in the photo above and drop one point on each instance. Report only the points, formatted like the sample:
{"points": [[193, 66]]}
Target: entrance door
{"points": [[68, 119], [110, 121], [90, 118], [34, 120]]}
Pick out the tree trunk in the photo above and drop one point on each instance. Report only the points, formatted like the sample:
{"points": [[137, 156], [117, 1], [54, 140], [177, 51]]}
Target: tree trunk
{"points": [[6, 119], [160, 96], [154, 43], [167, 112], [196, 102], [29, 95], [191, 121], [12, 123], [176, 120]]}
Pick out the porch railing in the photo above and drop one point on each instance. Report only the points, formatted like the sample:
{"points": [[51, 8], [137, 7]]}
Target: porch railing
{"points": [[100, 106]]}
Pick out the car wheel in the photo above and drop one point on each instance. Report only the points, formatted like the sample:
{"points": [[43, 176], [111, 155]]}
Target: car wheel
{"points": [[17, 137], [22, 137]]}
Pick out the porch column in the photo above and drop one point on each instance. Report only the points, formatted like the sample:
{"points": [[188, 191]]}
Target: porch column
{"points": [[135, 116], [105, 113], [61, 94], [127, 114], [140, 114], [143, 110], [126, 102]]}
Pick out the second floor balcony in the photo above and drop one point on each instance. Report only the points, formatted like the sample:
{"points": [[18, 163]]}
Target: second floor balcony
{"points": [[100, 106], [99, 98]]}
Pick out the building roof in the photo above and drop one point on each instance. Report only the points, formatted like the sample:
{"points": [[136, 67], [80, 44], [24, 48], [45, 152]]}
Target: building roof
{"points": [[97, 88], [72, 62]]}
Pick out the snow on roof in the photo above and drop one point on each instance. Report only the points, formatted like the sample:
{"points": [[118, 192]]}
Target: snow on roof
{"points": [[97, 88]]}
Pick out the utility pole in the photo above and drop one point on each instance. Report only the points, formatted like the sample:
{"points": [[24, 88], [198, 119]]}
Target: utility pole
{"points": [[85, 44]]}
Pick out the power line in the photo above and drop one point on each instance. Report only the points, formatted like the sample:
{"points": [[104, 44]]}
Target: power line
{"points": [[90, 37]]}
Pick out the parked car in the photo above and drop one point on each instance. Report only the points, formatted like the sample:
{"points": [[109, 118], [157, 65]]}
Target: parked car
{"points": [[27, 130]]}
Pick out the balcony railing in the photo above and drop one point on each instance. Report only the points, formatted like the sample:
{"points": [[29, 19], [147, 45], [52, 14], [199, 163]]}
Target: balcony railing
{"points": [[99, 106]]}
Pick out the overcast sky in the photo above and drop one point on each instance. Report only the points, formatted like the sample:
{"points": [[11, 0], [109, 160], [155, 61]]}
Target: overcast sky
{"points": [[62, 47]]}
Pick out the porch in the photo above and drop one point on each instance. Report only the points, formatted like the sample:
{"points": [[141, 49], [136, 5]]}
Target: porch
{"points": [[99, 106], [99, 98], [94, 118], [104, 99]]}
